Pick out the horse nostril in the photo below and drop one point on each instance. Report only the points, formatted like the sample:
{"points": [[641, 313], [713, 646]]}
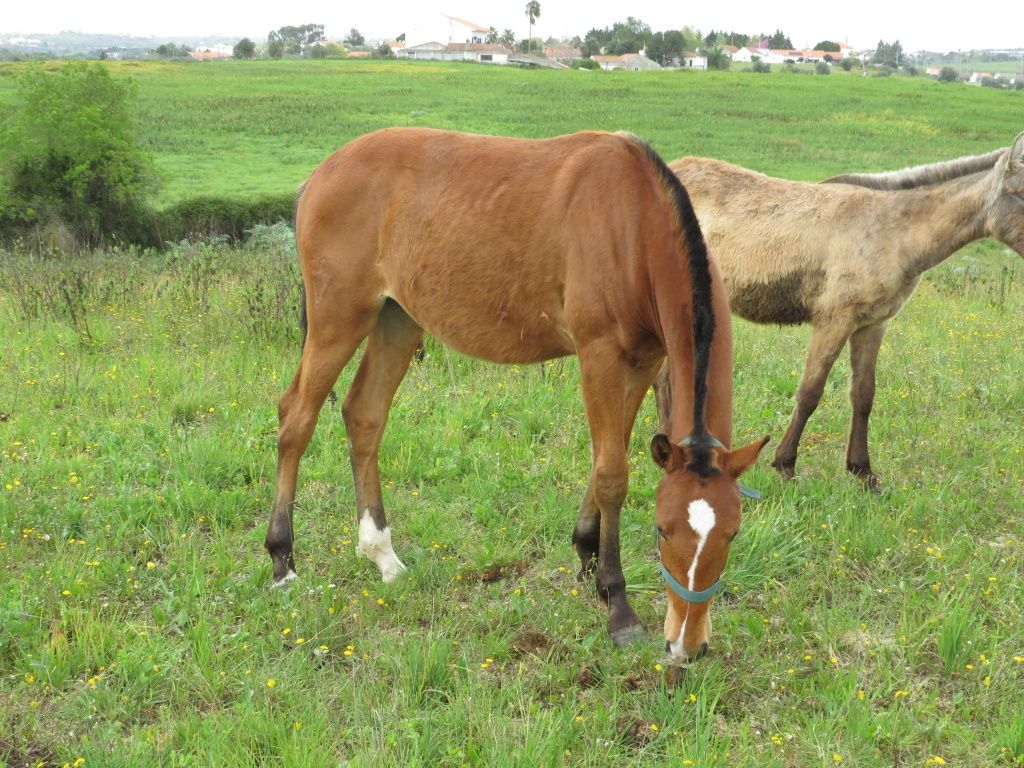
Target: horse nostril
{"points": [[668, 646], [703, 651]]}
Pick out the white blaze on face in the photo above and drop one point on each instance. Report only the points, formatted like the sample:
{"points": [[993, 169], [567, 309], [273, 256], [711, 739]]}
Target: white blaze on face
{"points": [[702, 520], [376, 545]]}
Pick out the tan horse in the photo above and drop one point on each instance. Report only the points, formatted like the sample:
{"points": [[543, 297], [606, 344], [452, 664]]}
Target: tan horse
{"points": [[518, 251], [845, 257]]}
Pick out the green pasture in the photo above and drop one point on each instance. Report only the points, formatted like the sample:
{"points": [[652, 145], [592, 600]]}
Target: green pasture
{"points": [[246, 129], [137, 451]]}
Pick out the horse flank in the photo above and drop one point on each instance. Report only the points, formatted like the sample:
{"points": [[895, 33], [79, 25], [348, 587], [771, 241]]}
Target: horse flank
{"points": [[921, 175]]}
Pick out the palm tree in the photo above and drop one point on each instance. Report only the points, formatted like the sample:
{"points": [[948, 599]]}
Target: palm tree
{"points": [[532, 13]]}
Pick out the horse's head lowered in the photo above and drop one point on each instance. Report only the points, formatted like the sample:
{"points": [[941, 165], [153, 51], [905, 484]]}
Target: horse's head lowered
{"points": [[1005, 208], [697, 510]]}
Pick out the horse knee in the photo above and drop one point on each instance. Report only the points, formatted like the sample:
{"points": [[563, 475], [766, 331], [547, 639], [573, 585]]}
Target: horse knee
{"points": [[610, 485]]}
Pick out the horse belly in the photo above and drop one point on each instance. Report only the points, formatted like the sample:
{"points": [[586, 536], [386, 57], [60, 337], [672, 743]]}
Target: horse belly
{"points": [[493, 330], [776, 299]]}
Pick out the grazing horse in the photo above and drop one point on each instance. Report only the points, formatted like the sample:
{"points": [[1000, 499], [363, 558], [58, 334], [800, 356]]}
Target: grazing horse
{"points": [[518, 251], [845, 256]]}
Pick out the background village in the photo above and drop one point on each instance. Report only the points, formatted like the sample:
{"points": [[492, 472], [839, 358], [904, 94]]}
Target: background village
{"points": [[440, 37]]}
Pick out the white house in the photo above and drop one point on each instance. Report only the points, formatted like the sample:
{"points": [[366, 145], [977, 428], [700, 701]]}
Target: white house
{"points": [[434, 51], [693, 61], [633, 62], [445, 29]]}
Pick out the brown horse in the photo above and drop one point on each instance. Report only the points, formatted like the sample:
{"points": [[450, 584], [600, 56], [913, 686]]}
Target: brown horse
{"points": [[518, 251], [845, 257]]}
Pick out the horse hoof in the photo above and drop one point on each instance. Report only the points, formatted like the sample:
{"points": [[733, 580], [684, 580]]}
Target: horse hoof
{"points": [[787, 470], [627, 635], [285, 580], [872, 483]]}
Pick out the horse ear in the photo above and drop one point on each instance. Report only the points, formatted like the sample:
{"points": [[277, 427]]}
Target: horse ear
{"points": [[735, 463], [1017, 150], [663, 452]]}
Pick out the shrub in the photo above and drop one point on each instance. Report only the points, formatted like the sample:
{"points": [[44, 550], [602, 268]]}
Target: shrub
{"points": [[822, 68], [585, 64], [846, 64], [760, 67], [948, 75], [70, 155], [206, 217]]}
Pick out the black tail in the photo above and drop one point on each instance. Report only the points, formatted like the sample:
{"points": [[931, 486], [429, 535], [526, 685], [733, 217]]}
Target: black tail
{"points": [[702, 310]]}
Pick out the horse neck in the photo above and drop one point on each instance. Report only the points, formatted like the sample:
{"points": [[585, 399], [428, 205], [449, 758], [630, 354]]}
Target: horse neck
{"points": [[675, 321], [932, 223]]}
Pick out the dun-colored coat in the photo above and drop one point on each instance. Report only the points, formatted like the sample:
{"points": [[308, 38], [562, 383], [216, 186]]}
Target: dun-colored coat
{"points": [[845, 256]]}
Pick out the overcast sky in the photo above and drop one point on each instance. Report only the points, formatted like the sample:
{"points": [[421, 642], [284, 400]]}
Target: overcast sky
{"points": [[935, 26]]}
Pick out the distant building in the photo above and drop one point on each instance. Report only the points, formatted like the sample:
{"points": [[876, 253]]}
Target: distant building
{"points": [[632, 62], [441, 28], [484, 53], [207, 52], [563, 53]]}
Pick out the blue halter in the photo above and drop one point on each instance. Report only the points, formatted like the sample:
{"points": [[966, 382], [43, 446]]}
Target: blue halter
{"points": [[688, 594]]}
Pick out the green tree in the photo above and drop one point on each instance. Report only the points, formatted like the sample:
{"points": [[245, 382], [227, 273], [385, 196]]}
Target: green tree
{"points": [[948, 75], [508, 39], [888, 53], [172, 51], [70, 154], [354, 38], [827, 45], [717, 58], [244, 49], [275, 49], [779, 41], [295, 40], [532, 13]]}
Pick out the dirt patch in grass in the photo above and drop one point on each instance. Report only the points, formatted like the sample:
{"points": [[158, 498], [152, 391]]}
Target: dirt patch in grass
{"points": [[493, 573]]}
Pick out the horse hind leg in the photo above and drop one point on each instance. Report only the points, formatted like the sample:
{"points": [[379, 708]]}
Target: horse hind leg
{"points": [[389, 350], [323, 357]]}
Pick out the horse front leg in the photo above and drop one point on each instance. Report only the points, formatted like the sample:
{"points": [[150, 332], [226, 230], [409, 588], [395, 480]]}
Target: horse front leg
{"points": [[604, 378], [826, 343], [586, 536], [864, 346]]}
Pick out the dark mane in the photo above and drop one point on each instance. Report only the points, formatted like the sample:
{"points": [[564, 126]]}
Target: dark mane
{"points": [[702, 309], [303, 319], [921, 175]]}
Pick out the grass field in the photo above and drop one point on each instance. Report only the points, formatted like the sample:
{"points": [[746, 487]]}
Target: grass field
{"points": [[253, 128], [137, 450]]}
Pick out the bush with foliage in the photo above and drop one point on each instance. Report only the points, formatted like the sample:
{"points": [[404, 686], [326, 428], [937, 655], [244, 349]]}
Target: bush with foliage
{"points": [[948, 75], [846, 64], [205, 217], [70, 156], [760, 67], [585, 64], [822, 68], [244, 49]]}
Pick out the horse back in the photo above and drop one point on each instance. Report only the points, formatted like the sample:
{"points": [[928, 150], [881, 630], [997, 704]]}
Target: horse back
{"points": [[522, 237]]}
